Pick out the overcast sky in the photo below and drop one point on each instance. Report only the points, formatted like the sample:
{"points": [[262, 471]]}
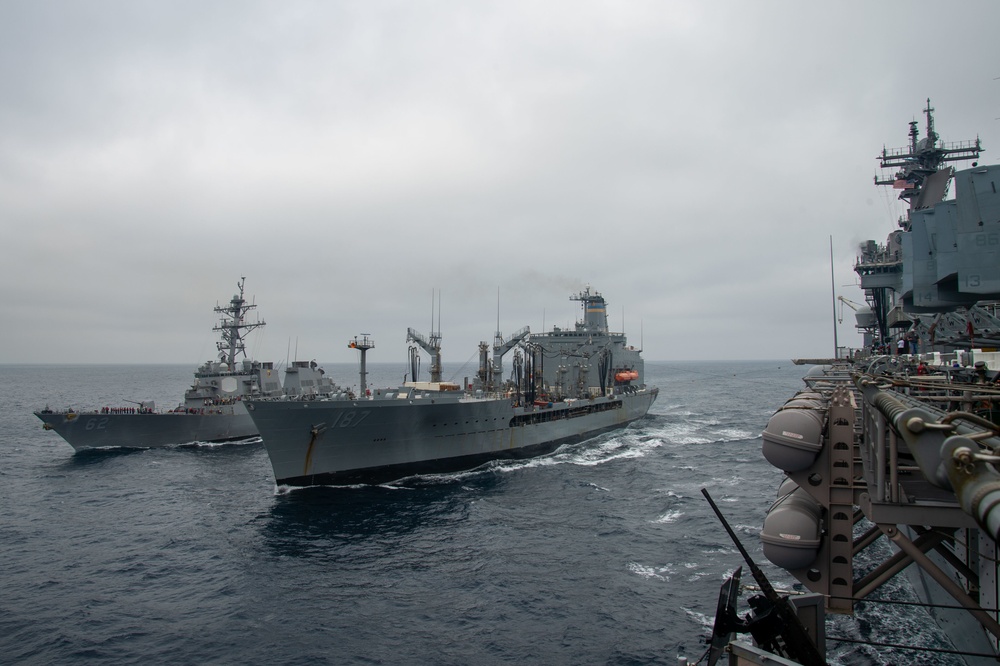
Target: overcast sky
{"points": [[689, 160]]}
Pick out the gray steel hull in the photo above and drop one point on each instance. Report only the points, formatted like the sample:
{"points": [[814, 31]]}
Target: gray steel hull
{"points": [[96, 430], [373, 441]]}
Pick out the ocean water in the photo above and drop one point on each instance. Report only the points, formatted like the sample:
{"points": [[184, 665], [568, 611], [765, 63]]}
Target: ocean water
{"points": [[604, 552]]}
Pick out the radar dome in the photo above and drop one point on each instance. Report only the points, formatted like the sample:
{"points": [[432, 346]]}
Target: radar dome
{"points": [[864, 317]]}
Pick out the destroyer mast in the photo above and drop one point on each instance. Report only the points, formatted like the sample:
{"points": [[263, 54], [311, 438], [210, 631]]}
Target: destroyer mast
{"points": [[234, 327]]}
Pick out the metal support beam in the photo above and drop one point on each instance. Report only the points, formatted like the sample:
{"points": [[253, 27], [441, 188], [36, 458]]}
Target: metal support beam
{"points": [[867, 539], [942, 579], [892, 566], [955, 561]]}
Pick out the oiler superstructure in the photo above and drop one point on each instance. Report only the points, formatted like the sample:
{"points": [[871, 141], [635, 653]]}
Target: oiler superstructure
{"points": [[564, 386]]}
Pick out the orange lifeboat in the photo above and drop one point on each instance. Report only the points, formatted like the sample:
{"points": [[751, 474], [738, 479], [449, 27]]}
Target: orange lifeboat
{"points": [[626, 375]]}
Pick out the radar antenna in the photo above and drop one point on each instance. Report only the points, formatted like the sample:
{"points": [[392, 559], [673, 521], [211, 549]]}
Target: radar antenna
{"points": [[923, 158], [234, 327]]}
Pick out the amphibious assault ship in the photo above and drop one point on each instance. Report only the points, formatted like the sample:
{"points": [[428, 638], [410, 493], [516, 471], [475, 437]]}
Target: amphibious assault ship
{"points": [[897, 442], [213, 409], [565, 386]]}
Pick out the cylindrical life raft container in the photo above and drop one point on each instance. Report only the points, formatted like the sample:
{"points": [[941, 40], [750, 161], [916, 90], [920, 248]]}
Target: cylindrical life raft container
{"points": [[794, 434], [791, 535]]}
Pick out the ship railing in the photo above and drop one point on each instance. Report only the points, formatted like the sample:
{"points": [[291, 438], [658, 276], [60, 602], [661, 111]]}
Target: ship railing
{"points": [[888, 153], [877, 260], [848, 353], [927, 463], [966, 145], [224, 373], [904, 428]]}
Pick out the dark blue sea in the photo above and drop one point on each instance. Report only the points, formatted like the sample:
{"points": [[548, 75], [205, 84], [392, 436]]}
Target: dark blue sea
{"points": [[604, 552]]}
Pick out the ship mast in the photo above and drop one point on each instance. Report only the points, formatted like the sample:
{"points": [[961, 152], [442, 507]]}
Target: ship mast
{"points": [[921, 175], [922, 159], [234, 327], [362, 345]]}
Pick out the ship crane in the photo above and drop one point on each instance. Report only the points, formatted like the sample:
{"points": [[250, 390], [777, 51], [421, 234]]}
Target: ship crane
{"points": [[501, 347], [859, 309], [432, 347]]}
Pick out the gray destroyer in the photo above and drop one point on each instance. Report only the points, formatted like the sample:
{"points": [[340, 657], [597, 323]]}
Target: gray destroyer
{"points": [[213, 409], [565, 386], [897, 442]]}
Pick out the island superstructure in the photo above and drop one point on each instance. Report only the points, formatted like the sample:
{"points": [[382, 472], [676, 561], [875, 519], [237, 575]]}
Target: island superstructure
{"points": [[898, 442]]}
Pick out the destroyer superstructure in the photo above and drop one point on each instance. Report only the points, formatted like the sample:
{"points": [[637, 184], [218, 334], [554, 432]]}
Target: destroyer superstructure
{"points": [[212, 409], [564, 386]]}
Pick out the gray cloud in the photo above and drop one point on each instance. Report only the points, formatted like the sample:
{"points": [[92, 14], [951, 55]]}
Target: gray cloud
{"points": [[688, 160]]}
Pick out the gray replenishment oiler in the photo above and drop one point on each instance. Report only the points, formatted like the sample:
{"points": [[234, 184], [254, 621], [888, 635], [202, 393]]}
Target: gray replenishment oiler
{"points": [[213, 409], [900, 441], [566, 386]]}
